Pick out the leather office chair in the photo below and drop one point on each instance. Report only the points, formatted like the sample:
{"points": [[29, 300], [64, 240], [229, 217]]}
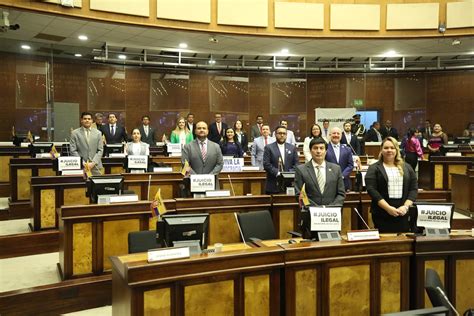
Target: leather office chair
{"points": [[435, 290], [256, 225], [141, 241]]}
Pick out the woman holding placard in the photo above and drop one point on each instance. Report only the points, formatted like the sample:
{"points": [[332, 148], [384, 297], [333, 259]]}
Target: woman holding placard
{"points": [[393, 186]]}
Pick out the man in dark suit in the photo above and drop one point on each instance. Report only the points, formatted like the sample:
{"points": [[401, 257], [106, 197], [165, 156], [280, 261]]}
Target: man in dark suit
{"points": [[203, 156], [256, 130], [190, 124], [278, 157], [114, 133], [427, 130], [388, 130], [147, 132], [340, 155], [373, 134], [217, 129], [350, 139], [86, 142], [327, 188]]}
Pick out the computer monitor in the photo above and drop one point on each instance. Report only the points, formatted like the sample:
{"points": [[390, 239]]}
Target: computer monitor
{"points": [[113, 149], [103, 185], [183, 227], [462, 140], [40, 148], [285, 180], [20, 138], [449, 148]]}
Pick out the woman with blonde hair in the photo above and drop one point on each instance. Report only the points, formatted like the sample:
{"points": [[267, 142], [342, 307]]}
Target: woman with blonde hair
{"points": [[181, 134], [393, 186]]}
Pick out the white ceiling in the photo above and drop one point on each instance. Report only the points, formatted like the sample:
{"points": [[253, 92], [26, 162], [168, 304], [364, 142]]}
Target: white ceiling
{"points": [[161, 39]]}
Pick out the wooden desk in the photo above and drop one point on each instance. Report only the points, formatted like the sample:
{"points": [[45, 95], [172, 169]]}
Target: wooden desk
{"points": [[342, 278], [228, 283], [436, 173], [7, 153], [463, 192], [453, 259]]}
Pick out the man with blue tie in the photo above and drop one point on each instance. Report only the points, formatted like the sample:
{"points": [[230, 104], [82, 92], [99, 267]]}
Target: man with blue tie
{"points": [[340, 154], [114, 133], [325, 133], [278, 157]]}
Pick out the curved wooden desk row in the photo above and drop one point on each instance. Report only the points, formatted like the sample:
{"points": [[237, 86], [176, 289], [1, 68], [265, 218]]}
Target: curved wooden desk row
{"points": [[89, 234], [330, 278]]}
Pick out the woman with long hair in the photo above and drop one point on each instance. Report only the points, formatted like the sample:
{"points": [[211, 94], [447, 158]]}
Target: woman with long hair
{"points": [[413, 149], [181, 134], [314, 132], [136, 146], [393, 186], [241, 135], [230, 146], [436, 140]]}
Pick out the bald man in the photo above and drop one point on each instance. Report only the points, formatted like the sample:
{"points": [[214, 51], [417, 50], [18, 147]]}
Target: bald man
{"points": [[340, 154]]}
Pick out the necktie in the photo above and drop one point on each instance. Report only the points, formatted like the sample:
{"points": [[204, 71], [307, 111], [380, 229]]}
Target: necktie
{"points": [[88, 132], [260, 128], [203, 150], [146, 130], [112, 132], [266, 141], [320, 179], [379, 137], [336, 152], [219, 128], [326, 132]]}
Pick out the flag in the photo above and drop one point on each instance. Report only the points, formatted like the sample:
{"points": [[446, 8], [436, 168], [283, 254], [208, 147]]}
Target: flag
{"points": [[158, 205], [103, 139], [88, 170], [185, 168], [13, 131], [303, 198], [30, 137], [54, 153]]}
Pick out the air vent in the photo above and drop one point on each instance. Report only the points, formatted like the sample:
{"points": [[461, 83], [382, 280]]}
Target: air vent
{"points": [[49, 37]]}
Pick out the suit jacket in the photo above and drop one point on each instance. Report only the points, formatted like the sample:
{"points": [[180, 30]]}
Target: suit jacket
{"points": [[290, 137], [150, 139], [333, 194], [244, 142], [119, 136], [371, 136], [386, 133], [376, 181], [345, 162], [271, 159], [192, 129], [354, 143], [258, 148], [213, 163], [255, 132], [214, 133], [144, 148], [91, 151], [174, 138]]}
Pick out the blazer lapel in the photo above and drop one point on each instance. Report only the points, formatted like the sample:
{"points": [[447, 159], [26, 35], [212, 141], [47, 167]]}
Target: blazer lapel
{"points": [[312, 174], [382, 170]]}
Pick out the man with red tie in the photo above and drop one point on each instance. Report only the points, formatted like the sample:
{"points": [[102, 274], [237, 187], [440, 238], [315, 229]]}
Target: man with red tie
{"points": [[258, 146], [217, 129]]}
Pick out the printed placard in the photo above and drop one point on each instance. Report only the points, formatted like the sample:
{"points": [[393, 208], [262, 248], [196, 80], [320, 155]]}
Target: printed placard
{"points": [[325, 218], [202, 182], [433, 216], [232, 164], [173, 148], [168, 254], [137, 162], [69, 163]]}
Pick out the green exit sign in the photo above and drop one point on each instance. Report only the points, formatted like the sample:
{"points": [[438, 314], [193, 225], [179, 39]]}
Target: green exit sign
{"points": [[358, 102]]}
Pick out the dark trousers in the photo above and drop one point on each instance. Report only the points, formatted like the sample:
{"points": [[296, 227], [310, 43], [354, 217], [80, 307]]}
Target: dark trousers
{"points": [[387, 223], [411, 159]]}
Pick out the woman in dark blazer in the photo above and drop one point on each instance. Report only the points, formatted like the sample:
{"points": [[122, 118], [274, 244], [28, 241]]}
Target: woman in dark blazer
{"points": [[241, 136], [393, 186]]}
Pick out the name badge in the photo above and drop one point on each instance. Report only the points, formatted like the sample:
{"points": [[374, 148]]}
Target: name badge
{"points": [[433, 216], [69, 163], [202, 182], [137, 162], [168, 254], [325, 218]]}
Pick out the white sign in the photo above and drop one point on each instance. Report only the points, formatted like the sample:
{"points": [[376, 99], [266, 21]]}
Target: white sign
{"points": [[433, 216], [69, 163], [335, 116], [173, 148], [325, 218], [232, 164], [168, 254], [137, 162], [202, 182], [359, 235]]}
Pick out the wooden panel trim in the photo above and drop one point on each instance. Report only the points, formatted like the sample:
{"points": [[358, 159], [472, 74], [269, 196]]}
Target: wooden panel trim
{"points": [[29, 244]]}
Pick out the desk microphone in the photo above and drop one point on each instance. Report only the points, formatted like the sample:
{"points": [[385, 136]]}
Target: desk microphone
{"points": [[149, 184], [360, 216], [447, 300], [231, 185], [240, 228], [67, 146]]}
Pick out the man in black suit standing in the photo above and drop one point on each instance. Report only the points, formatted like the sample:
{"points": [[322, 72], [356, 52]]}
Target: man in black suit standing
{"points": [[388, 130], [217, 129], [114, 133], [349, 139], [190, 124], [147, 132], [373, 135]]}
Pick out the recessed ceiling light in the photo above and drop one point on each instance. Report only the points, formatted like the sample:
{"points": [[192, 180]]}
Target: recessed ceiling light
{"points": [[83, 37], [284, 51], [183, 45], [212, 61], [121, 56], [279, 64], [390, 53], [26, 47], [78, 55]]}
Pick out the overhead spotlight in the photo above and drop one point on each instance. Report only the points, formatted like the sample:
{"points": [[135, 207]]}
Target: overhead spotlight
{"points": [[390, 53], [121, 56], [456, 42], [83, 37], [78, 55], [214, 40], [26, 47], [212, 61], [284, 51], [183, 45], [442, 28]]}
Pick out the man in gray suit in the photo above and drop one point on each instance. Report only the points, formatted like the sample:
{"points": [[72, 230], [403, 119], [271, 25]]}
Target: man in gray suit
{"points": [[203, 155], [258, 146], [86, 142], [318, 173], [257, 129]]}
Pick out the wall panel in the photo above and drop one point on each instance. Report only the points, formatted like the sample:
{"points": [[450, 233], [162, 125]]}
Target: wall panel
{"points": [[185, 10], [299, 15], [243, 12], [412, 16], [355, 17]]}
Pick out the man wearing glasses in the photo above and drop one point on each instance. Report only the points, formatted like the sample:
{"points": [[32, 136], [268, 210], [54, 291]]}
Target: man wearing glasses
{"points": [[278, 157]]}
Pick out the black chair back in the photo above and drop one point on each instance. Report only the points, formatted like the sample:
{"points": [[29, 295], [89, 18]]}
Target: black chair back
{"points": [[434, 288], [142, 241], [257, 224]]}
